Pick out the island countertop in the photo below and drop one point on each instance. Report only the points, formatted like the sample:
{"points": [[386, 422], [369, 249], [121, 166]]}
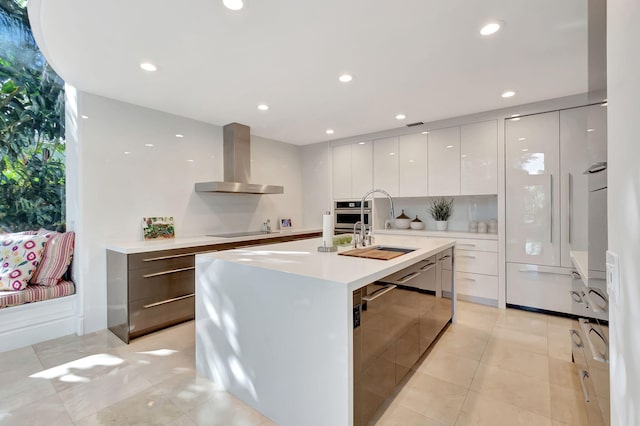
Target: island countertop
{"points": [[302, 258]]}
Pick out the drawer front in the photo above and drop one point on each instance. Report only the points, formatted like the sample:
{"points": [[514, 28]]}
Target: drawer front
{"points": [[444, 257], [161, 286], [477, 262], [149, 263], [145, 316], [478, 245], [542, 287], [421, 275], [477, 285]]}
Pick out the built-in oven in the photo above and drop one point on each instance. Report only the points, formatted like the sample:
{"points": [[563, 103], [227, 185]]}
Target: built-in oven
{"points": [[347, 213]]}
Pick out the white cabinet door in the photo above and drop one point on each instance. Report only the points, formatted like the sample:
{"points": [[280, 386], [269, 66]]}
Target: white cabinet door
{"points": [[385, 165], [540, 287], [361, 169], [574, 157], [479, 158], [444, 162], [341, 171], [413, 165], [532, 189]]}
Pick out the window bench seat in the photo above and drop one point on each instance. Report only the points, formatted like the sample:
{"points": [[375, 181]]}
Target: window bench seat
{"points": [[36, 293]]}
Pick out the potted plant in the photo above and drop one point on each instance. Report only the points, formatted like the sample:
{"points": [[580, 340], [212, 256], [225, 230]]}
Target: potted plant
{"points": [[441, 210]]}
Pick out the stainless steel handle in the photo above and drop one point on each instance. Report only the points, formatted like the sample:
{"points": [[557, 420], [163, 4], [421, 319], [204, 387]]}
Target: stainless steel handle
{"points": [[577, 297], [379, 293], [575, 275], [466, 245], [466, 279], [542, 272], [168, 301], [597, 307], [172, 271], [570, 203], [408, 277], [597, 168], [466, 255], [173, 256], [587, 329], [427, 266], [584, 375], [551, 208], [445, 257], [578, 343]]}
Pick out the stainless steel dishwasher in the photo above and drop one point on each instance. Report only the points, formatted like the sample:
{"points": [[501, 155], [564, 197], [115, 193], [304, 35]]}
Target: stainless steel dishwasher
{"points": [[395, 320]]}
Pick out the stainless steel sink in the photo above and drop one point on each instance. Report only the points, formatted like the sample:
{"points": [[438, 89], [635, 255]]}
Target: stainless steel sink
{"points": [[402, 250], [242, 234]]}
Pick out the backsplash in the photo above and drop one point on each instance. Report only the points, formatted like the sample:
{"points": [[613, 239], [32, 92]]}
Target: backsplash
{"points": [[465, 209]]}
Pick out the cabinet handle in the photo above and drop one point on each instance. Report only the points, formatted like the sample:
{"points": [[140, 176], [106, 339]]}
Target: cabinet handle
{"points": [[551, 208], [587, 329], [575, 275], [408, 277], [577, 297], [466, 245], [595, 307], [173, 256], [467, 279], [570, 204], [533, 271], [578, 343], [466, 255], [172, 271], [427, 266], [152, 305], [445, 257], [584, 375], [379, 292]]}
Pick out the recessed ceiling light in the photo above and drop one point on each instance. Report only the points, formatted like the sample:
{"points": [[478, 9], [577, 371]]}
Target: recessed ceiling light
{"points": [[522, 139], [233, 4], [361, 143], [85, 117], [127, 152], [591, 130], [490, 28], [392, 153], [424, 133], [178, 135], [508, 94], [412, 161], [148, 144], [190, 161], [329, 131], [148, 66], [345, 78], [400, 117], [525, 149], [464, 156], [263, 107], [449, 146]]}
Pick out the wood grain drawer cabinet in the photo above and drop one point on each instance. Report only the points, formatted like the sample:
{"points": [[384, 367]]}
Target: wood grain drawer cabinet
{"points": [[153, 290]]}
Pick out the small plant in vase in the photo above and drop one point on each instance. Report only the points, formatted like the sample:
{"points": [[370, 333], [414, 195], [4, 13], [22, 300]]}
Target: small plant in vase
{"points": [[440, 211]]}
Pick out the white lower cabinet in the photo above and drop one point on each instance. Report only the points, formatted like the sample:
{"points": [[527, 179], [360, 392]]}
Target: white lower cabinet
{"points": [[477, 285], [542, 287], [476, 269]]}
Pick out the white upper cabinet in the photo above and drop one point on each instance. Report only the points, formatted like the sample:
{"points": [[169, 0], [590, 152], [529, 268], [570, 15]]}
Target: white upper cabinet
{"points": [[413, 165], [444, 162], [385, 165], [479, 158], [532, 189], [352, 170]]}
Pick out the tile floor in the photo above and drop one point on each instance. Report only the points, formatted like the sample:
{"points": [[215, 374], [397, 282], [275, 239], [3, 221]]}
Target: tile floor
{"points": [[492, 367]]}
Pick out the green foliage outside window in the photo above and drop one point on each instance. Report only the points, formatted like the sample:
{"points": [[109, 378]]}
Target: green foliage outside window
{"points": [[32, 146]]}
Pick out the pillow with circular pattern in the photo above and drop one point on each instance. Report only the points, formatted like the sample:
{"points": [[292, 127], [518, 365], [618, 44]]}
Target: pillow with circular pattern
{"points": [[19, 257]]}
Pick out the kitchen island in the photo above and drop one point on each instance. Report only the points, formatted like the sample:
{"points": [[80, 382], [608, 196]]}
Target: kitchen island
{"points": [[275, 324]]}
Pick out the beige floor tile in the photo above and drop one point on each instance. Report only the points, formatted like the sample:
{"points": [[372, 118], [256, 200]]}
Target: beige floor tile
{"points": [[563, 373], [463, 344], [567, 406], [513, 388], [449, 367], [437, 399], [526, 341], [184, 420], [69, 348], [562, 322], [480, 410], [478, 320], [559, 343], [44, 411], [226, 410], [402, 416], [19, 388], [511, 357], [527, 322]]}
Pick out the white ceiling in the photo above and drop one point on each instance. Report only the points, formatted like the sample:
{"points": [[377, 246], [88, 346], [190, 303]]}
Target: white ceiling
{"points": [[424, 58]]}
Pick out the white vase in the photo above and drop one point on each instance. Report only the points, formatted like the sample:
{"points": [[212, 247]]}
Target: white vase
{"points": [[441, 225]]}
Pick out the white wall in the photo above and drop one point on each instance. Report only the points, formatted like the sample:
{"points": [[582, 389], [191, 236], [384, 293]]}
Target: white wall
{"points": [[111, 191], [623, 72], [316, 176]]}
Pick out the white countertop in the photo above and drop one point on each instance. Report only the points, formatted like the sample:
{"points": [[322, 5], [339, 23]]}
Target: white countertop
{"points": [[437, 234], [131, 247], [580, 260], [302, 258]]}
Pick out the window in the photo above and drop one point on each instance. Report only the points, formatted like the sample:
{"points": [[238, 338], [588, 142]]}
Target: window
{"points": [[32, 146]]}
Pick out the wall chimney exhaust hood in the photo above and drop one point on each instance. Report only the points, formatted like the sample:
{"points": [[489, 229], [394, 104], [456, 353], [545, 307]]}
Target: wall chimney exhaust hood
{"points": [[237, 165]]}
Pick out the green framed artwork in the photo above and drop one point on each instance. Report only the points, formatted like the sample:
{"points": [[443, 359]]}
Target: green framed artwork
{"points": [[154, 228]]}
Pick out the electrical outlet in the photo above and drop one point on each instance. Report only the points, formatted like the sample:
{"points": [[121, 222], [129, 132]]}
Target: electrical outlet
{"points": [[613, 275]]}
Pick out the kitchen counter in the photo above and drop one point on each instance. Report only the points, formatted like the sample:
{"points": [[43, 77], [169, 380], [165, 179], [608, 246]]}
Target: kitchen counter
{"points": [[274, 324], [131, 247]]}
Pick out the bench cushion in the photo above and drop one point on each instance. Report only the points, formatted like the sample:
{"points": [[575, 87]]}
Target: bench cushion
{"points": [[36, 293], [19, 256]]}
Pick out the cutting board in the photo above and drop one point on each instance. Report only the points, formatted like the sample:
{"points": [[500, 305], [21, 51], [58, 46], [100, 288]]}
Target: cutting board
{"points": [[372, 253]]}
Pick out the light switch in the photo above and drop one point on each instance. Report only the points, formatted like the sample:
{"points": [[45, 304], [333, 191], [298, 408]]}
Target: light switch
{"points": [[613, 276]]}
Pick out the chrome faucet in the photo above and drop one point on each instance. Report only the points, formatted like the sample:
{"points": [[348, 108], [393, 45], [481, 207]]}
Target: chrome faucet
{"points": [[357, 238], [266, 227], [363, 227]]}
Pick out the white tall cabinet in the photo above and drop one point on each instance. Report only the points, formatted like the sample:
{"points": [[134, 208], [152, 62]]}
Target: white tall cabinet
{"points": [[412, 163], [546, 204], [479, 158], [444, 162], [352, 170], [385, 165]]}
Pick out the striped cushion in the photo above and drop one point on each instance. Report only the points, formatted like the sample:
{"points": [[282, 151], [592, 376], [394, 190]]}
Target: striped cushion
{"points": [[56, 259], [36, 293]]}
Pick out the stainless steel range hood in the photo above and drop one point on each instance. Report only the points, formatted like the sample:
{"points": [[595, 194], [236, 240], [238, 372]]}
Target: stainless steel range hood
{"points": [[237, 165]]}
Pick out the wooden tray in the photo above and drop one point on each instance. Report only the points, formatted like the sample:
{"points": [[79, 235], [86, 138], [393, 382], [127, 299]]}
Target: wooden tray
{"points": [[372, 253]]}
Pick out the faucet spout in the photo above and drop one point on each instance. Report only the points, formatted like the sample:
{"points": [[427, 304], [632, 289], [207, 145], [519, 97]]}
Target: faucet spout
{"points": [[363, 226]]}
